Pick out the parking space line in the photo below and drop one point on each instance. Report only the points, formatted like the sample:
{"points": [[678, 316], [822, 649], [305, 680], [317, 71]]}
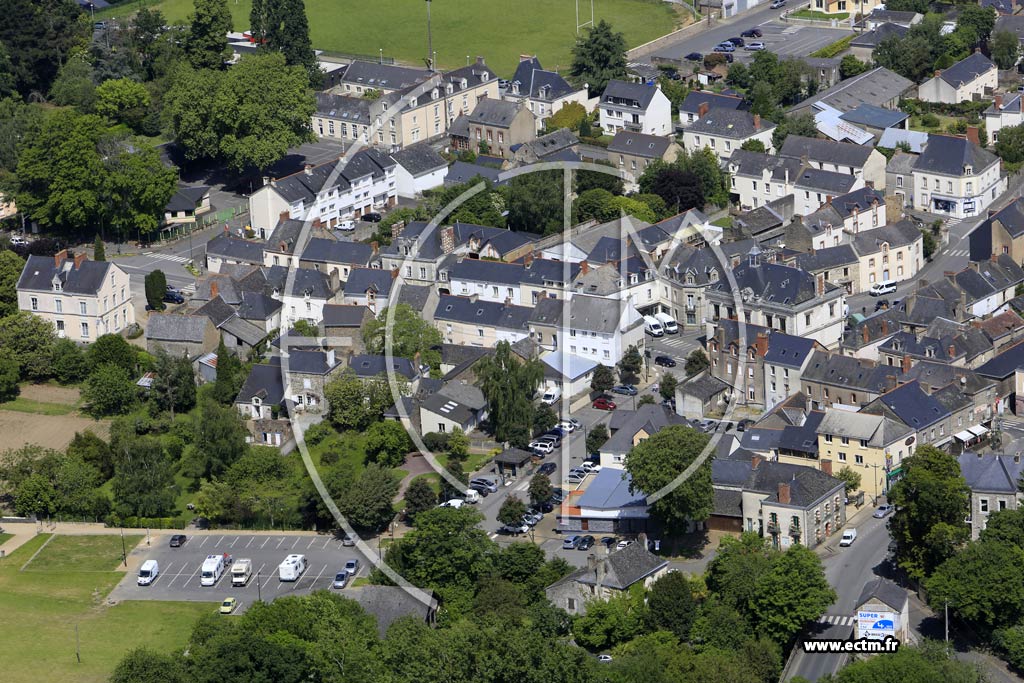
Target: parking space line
{"points": [[193, 574], [311, 544], [205, 539], [296, 542], [280, 542], [268, 579], [265, 542], [219, 542], [258, 571], [313, 585], [250, 541], [325, 544], [232, 544]]}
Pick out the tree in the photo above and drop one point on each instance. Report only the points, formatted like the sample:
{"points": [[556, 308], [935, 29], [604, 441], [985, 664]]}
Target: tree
{"points": [[122, 100], [598, 57], [910, 56], [794, 124], [138, 187], [630, 365], [850, 66], [419, 497], [596, 204], [156, 288], [1005, 526], [109, 390], [99, 251], [512, 511], [508, 384], [923, 663], [143, 477], [411, 336], [1010, 145], [387, 443], [174, 386], [646, 400], [535, 202], [457, 445], [29, 339], [540, 489], [981, 19], [670, 605], [206, 43], [286, 29], [35, 496], [680, 189], [112, 349], [753, 145], [11, 266], [596, 437], [928, 244], [68, 363], [610, 622], [93, 450], [656, 462], [1005, 49], [850, 478], [258, 20], [589, 180], [737, 567], [75, 84], [219, 437], [696, 363], [229, 375], [793, 593], [9, 375], [983, 584], [570, 116], [38, 36], [667, 386], [603, 378], [145, 666], [368, 504], [932, 500], [544, 418]]}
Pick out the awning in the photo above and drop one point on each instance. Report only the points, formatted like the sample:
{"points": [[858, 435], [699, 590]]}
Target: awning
{"points": [[978, 430], [964, 436]]}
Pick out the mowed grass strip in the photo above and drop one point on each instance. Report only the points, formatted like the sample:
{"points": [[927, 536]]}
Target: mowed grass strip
{"points": [[498, 31], [41, 609], [27, 405]]}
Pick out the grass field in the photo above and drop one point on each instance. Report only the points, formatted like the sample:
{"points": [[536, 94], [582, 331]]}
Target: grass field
{"points": [[5, 537], [498, 31], [27, 405], [65, 587]]}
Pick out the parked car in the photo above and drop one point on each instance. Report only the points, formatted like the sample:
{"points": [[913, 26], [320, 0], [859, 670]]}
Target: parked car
{"points": [[604, 404], [608, 541], [575, 477], [546, 468], [340, 580], [372, 217], [665, 361], [883, 511], [881, 303], [604, 659], [586, 543], [849, 536], [571, 542], [566, 426], [178, 540], [622, 544], [575, 423], [738, 42], [590, 466], [542, 447], [480, 488], [625, 389], [173, 298], [752, 33], [348, 541], [743, 425], [777, 4], [228, 606], [352, 566], [513, 529], [545, 506], [707, 425], [18, 241], [347, 226], [755, 46], [695, 57], [491, 486], [558, 432], [725, 47]]}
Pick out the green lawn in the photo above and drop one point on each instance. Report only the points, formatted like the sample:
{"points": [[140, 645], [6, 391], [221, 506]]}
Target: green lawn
{"points": [[723, 222], [26, 405], [460, 27], [5, 537], [474, 462], [42, 608], [819, 16]]}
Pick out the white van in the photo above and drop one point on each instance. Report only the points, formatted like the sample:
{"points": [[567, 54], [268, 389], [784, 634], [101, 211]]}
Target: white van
{"points": [[472, 497], [668, 323], [551, 396], [292, 568], [148, 572], [849, 536], [883, 287], [213, 567], [240, 572], [653, 327]]}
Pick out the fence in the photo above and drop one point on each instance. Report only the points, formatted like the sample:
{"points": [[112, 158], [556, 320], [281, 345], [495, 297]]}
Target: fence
{"points": [[356, 56]]}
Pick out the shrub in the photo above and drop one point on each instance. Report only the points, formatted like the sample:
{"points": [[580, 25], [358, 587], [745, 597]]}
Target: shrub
{"points": [[315, 434]]}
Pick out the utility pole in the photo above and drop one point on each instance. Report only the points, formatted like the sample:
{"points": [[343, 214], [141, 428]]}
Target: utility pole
{"points": [[430, 42], [876, 482], [947, 622], [259, 586], [124, 551]]}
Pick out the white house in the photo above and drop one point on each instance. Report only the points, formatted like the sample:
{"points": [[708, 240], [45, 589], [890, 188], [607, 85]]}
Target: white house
{"points": [[757, 178], [954, 176], [725, 130], [419, 168], [589, 327], [972, 77], [864, 162], [83, 299], [543, 92], [1005, 112], [635, 107]]}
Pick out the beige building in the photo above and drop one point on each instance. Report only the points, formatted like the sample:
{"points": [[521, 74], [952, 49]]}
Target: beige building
{"points": [[469, 321], [873, 446], [972, 78], [494, 127], [726, 130], [890, 253], [849, 7], [634, 152], [956, 177], [83, 299]]}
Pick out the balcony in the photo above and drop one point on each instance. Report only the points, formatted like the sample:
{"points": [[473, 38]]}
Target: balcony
{"points": [[633, 127], [773, 527], [794, 529]]}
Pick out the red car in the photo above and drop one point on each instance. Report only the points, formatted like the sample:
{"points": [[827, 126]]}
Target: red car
{"points": [[604, 404]]}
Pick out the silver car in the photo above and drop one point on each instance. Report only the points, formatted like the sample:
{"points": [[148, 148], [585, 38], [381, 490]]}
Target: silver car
{"points": [[754, 46]]}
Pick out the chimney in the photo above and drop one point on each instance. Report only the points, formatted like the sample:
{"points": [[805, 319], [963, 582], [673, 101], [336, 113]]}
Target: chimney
{"points": [[447, 239], [757, 122], [938, 72], [528, 260], [480, 61], [952, 351], [397, 229], [283, 216], [866, 335], [308, 169], [79, 258], [330, 358], [820, 284], [282, 246], [60, 257], [317, 224], [977, 50], [761, 344], [885, 327], [994, 258], [755, 462], [214, 289], [227, 231], [394, 273], [784, 493], [826, 467], [375, 245], [525, 58], [702, 110], [266, 180], [973, 265], [828, 199], [972, 135], [998, 101], [584, 267], [905, 366]]}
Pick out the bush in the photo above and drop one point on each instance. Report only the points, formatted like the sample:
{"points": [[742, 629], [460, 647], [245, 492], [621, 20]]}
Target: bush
{"points": [[329, 457], [930, 120], [436, 442], [315, 434]]}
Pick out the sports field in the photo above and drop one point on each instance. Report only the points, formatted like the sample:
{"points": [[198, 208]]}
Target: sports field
{"points": [[498, 30], [65, 586]]}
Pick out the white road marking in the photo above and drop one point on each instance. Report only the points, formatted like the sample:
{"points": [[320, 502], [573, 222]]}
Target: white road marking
{"points": [[296, 542], [311, 542], [250, 541], [280, 542], [205, 539], [220, 541], [313, 585], [269, 577], [193, 574], [325, 543], [232, 544], [265, 542]]}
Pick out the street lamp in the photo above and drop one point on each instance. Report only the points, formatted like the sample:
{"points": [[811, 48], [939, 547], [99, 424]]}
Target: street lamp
{"points": [[876, 466]]}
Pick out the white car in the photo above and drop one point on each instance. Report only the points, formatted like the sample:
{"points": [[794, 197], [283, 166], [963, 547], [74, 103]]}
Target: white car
{"points": [[347, 226], [567, 426], [754, 46], [18, 241], [622, 544], [575, 478], [544, 447], [849, 536], [589, 466], [453, 503]]}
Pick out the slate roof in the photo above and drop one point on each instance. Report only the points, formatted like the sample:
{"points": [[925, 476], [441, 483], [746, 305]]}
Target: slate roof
{"points": [[360, 280], [991, 473], [538, 84], [827, 181], [40, 271], [704, 386], [309, 362], [877, 86], [895, 235], [623, 568], [847, 372], [618, 91], [638, 144], [936, 374], [306, 185], [339, 315], [773, 283], [236, 249], [788, 350], [322, 250], [459, 406], [388, 604], [874, 117], [343, 108], [554, 142], [187, 198], [842, 153], [747, 163], [827, 258], [913, 406], [419, 159], [377, 75], [1010, 217], [879, 431], [461, 172], [806, 485], [371, 365], [967, 69], [492, 112], [173, 327], [885, 591], [872, 38], [730, 123], [948, 155], [217, 310], [484, 313], [257, 306], [265, 382], [306, 281], [903, 162], [414, 296], [589, 313], [650, 418], [1004, 364], [691, 103]]}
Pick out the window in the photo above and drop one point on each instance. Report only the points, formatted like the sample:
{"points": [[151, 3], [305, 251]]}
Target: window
{"points": [[85, 330], [983, 504], [970, 188], [899, 181], [859, 459], [35, 304], [59, 305], [842, 456], [81, 307], [570, 604], [828, 438]]}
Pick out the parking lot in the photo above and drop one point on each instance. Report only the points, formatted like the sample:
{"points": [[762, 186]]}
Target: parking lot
{"points": [[784, 39], [180, 567]]}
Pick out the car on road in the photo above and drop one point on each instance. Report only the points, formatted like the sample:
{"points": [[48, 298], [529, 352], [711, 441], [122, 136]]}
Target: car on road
{"points": [[340, 580], [178, 540], [738, 42], [542, 447], [707, 425], [604, 404], [695, 57], [566, 426], [777, 4], [482, 490], [491, 486], [546, 468], [752, 33], [372, 217], [604, 659], [558, 432], [173, 298], [625, 389], [558, 495], [586, 543], [453, 503], [348, 540], [743, 425], [754, 46], [575, 477], [849, 536], [531, 518], [346, 226], [513, 529], [590, 466], [575, 423], [725, 47], [571, 542], [228, 606], [882, 511], [665, 361]]}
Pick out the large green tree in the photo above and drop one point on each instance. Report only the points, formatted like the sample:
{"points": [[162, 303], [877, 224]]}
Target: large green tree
{"points": [[109, 390], [508, 384], [38, 36], [1005, 49], [368, 503], [206, 43], [983, 584], [112, 349], [143, 477], [793, 593], [670, 605], [29, 339], [419, 497], [981, 20], [923, 663], [540, 489], [138, 188], [737, 568], [535, 202], [598, 57], [1010, 145], [11, 266], [659, 461], [387, 443], [411, 336], [286, 29], [512, 511], [174, 386], [229, 375]]}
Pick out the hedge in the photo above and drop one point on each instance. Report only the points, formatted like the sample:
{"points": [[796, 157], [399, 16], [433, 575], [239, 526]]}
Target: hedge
{"points": [[834, 49]]}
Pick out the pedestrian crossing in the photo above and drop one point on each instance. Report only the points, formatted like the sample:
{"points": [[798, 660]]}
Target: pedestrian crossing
{"points": [[188, 289], [957, 252], [677, 342], [837, 620], [166, 257]]}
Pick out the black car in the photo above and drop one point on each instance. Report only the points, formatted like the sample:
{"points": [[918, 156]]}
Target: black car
{"points": [[665, 361], [881, 303], [586, 543], [172, 297], [738, 42], [545, 507], [752, 33], [178, 540], [609, 541], [546, 468], [372, 217], [694, 56], [481, 489], [728, 57]]}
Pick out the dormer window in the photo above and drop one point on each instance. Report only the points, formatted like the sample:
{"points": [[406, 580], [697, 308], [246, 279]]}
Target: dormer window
{"points": [[968, 170], [713, 275], [256, 401], [413, 102], [515, 88], [449, 88], [484, 76], [465, 84]]}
